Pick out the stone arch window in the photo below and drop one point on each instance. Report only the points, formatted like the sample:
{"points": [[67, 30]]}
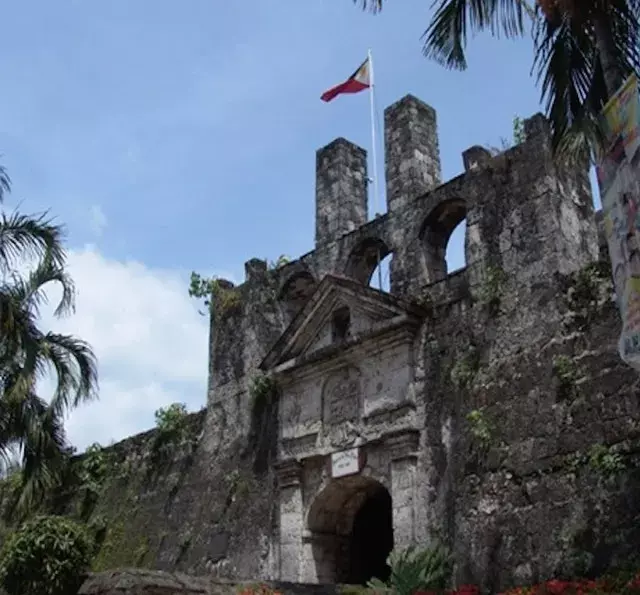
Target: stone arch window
{"points": [[341, 324], [351, 527], [435, 234], [296, 290], [365, 259]]}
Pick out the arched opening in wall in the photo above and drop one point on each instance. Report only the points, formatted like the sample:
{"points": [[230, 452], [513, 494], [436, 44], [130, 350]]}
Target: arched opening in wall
{"points": [[295, 292], [351, 524], [443, 238], [454, 254], [381, 276], [366, 259]]}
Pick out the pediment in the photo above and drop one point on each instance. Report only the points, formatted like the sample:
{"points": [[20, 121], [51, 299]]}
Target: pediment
{"points": [[371, 307]]}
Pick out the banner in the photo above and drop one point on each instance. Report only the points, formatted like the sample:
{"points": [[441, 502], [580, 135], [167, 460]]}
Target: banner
{"points": [[618, 179]]}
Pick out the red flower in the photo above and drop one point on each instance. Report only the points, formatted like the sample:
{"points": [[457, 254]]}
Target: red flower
{"points": [[468, 590]]}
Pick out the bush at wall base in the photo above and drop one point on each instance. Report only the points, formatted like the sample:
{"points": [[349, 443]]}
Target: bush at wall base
{"points": [[48, 555]]}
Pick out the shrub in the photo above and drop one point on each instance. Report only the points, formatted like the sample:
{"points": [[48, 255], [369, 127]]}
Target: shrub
{"points": [[46, 556], [414, 570]]}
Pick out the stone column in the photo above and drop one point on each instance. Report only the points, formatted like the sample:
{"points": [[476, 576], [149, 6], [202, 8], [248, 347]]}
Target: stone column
{"points": [[404, 459], [412, 155], [289, 475], [341, 190]]}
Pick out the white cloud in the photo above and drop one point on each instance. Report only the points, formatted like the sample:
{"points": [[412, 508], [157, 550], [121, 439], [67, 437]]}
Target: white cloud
{"points": [[97, 220], [150, 341]]}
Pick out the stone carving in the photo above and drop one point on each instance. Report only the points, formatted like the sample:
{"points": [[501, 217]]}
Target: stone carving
{"points": [[342, 435], [342, 396]]}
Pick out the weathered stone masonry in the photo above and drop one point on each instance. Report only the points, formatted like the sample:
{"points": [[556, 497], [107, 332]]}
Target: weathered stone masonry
{"points": [[368, 443], [377, 375]]}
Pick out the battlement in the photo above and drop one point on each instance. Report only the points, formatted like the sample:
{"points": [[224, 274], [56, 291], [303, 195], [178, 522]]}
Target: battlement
{"points": [[523, 216]]}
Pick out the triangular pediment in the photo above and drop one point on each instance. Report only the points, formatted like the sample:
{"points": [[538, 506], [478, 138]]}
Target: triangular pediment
{"points": [[305, 333]]}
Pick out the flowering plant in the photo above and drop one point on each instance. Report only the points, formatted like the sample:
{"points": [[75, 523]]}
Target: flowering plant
{"points": [[258, 590], [581, 587]]}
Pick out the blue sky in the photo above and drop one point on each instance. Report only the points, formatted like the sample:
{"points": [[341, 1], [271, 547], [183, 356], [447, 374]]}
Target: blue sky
{"points": [[170, 136]]}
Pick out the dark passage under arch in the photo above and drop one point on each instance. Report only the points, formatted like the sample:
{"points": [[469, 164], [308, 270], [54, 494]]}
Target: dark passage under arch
{"points": [[371, 539], [351, 521]]}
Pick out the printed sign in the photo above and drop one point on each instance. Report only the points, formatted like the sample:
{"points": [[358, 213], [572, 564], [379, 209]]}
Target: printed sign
{"points": [[346, 462], [619, 182]]}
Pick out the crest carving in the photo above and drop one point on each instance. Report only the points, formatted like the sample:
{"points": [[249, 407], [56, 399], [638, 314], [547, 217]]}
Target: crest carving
{"points": [[342, 396]]}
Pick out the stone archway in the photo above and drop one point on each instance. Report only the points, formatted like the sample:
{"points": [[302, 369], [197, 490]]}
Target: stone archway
{"points": [[365, 258], [351, 530], [435, 234]]}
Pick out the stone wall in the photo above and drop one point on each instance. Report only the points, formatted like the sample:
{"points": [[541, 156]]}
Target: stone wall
{"points": [[143, 582], [533, 488], [165, 505], [520, 449]]}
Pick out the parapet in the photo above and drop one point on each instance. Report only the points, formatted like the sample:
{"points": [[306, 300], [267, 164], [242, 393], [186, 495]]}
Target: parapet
{"points": [[475, 157], [254, 268]]}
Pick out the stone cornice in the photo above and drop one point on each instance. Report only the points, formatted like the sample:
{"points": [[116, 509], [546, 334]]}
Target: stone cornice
{"points": [[403, 445]]}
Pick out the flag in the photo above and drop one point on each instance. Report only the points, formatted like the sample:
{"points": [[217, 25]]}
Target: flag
{"points": [[358, 81]]}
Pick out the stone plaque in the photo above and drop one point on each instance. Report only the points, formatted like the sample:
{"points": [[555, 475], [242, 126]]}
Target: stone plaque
{"points": [[345, 463]]}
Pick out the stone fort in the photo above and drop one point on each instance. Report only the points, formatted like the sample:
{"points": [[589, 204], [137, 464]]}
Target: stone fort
{"points": [[487, 408]]}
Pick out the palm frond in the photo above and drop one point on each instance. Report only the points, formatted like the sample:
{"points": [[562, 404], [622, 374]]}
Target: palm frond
{"points": [[31, 425], [446, 37], [570, 52], [29, 237], [44, 444], [76, 369], [5, 183], [374, 6], [31, 294]]}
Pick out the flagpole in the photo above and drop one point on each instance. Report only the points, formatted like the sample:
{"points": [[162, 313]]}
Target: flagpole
{"points": [[373, 153]]}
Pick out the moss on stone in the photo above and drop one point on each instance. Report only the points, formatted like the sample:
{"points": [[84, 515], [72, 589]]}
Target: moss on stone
{"points": [[122, 547]]}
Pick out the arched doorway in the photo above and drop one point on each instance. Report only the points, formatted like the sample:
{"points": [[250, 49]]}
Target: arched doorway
{"points": [[351, 525]]}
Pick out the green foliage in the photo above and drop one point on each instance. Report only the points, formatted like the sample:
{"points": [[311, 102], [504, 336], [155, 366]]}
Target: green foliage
{"points": [[122, 546], [518, 130], [238, 485], [214, 295], [261, 389], [355, 590], [46, 556], [171, 429], [591, 290], [171, 420], [517, 138], [604, 461], [600, 459], [465, 368], [94, 468], [482, 429], [282, 260], [567, 372], [492, 288], [414, 570], [32, 259]]}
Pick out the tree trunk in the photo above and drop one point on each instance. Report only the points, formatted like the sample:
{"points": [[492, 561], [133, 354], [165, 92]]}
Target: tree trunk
{"points": [[613, 74]]}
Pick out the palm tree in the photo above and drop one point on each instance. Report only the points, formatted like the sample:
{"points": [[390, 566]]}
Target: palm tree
{"points": [[584, 50], [28, 422]]}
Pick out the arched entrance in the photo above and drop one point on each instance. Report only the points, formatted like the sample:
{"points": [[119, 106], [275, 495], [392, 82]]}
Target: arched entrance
{"points": [[351, 527]]}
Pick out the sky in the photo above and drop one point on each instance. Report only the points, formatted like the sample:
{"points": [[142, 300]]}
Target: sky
{"points": [[176, 136]]}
